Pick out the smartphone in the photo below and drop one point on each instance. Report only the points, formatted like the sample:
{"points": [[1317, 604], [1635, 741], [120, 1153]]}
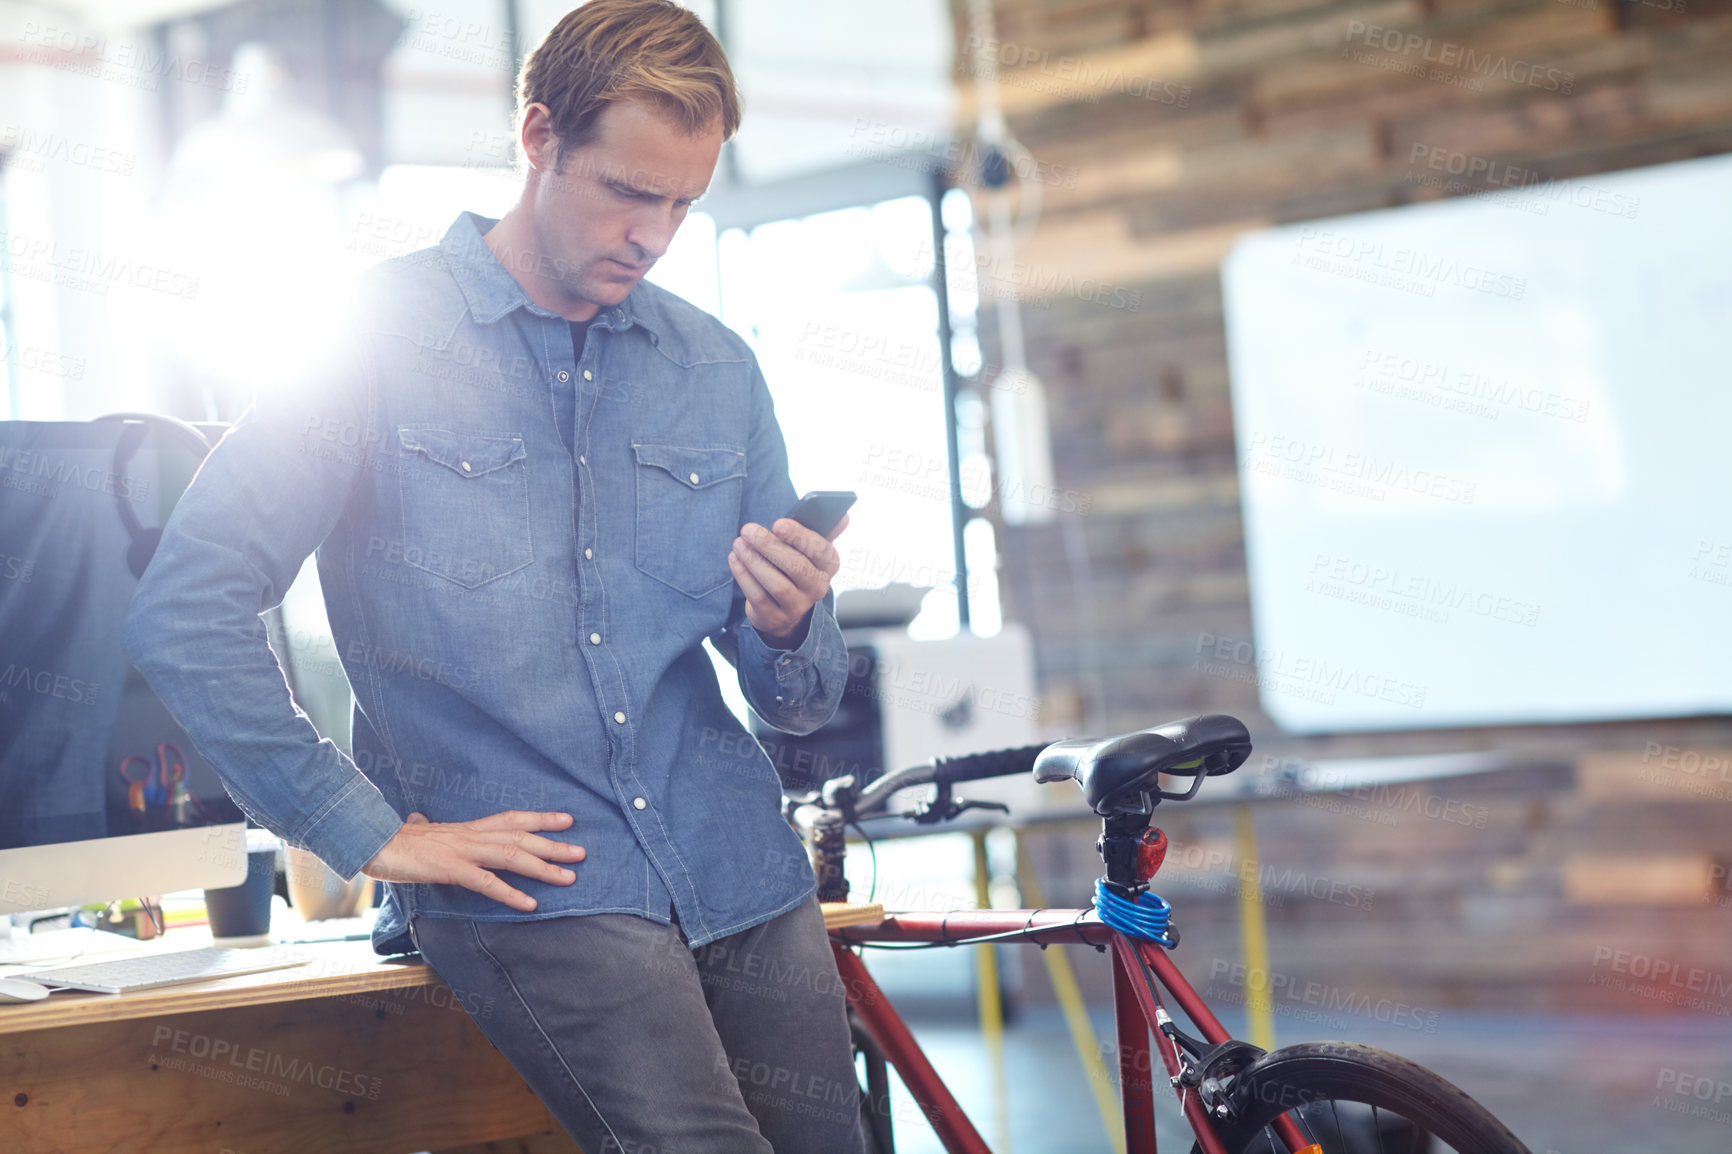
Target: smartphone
{"points": [[821, 509]]}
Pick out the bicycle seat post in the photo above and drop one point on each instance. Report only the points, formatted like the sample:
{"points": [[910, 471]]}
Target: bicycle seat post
{"points": [[1121, 837]]}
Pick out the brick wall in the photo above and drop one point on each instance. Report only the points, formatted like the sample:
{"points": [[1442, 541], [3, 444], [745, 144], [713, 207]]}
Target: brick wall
{"points": [[1163, 131]]}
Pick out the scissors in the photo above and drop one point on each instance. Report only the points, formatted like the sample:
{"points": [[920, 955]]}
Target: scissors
{"points": [[162, 780]]}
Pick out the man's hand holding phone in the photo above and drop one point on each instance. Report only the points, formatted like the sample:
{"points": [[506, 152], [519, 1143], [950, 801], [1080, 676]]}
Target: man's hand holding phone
{"points": [[786, 569]]}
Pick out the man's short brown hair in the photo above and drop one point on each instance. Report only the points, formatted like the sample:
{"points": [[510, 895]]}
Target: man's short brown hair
{"points": [[610, 51]]}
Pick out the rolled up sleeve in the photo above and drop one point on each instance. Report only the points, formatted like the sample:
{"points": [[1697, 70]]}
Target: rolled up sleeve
{"points": [[264, 499], [796, 690]]}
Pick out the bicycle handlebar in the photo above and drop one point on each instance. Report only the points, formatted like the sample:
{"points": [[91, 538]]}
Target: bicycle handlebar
{"points": [[993, 763], [949, 771]]}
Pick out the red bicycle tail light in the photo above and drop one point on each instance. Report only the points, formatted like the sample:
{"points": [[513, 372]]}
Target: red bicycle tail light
{"points": [[1151, 852]]}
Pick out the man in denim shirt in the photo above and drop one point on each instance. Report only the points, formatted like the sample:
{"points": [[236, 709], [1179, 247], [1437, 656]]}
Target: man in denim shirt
{"points": [[536, 484]]}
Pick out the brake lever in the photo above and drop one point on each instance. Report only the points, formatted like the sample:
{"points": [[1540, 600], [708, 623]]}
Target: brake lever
{"points": [[945, 808]]}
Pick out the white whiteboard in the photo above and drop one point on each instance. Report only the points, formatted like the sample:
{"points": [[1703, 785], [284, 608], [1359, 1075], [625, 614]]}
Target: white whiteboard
{"points": [[1485, 456]]}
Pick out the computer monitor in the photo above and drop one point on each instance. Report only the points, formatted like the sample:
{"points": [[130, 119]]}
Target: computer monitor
{"points": [[85, 812]]}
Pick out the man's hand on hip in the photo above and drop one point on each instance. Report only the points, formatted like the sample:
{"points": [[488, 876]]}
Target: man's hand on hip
{"points": [[466, 853], [783, 574]]}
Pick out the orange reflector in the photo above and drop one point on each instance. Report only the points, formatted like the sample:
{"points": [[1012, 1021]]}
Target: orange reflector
{"points": [[1314, 1148]]}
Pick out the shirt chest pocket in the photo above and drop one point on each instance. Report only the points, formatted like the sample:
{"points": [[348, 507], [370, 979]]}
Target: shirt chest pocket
{"points": [[465, 503], [688, 513]]}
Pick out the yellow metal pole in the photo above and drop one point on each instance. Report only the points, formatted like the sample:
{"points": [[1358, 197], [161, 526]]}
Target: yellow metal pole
{"points": [[1070, 1000], [991, 1009], [1253, 935]]}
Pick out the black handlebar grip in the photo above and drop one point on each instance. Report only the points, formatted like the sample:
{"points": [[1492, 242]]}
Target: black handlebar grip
{"points": [[993, 763]]}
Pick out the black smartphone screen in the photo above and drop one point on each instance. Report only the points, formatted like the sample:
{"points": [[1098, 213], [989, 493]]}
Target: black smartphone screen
{"points": [[820, 510]]}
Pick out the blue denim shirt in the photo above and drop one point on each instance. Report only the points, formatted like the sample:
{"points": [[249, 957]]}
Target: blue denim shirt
{"points": [[521, 620]]}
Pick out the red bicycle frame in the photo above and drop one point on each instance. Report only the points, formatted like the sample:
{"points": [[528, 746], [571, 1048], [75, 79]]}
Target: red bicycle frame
{"points": [[1136, 1002]]}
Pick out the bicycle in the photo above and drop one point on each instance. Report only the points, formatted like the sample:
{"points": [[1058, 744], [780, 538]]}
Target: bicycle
{"points": [[1310, 1098]]}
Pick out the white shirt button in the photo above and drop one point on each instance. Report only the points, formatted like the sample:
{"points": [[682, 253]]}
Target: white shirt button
{"points": [[563, 376], [587, 376], [694, 477], [595, 639], [582, 460], [638, 803], [619, 717], [466, 467], [588, 553]]}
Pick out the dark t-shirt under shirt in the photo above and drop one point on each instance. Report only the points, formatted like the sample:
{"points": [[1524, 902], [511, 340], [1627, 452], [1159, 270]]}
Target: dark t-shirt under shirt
{"points": [[565, 398]]}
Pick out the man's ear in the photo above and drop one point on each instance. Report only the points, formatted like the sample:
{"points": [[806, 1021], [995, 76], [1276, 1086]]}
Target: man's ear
{"points": [[536, 138]]}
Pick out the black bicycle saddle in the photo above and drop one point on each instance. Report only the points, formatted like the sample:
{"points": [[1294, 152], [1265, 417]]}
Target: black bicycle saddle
{"points": [[1113, 770]]}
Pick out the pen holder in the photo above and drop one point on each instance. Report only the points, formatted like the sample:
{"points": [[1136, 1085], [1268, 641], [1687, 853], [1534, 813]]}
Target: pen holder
{"points": [[318, 894]]}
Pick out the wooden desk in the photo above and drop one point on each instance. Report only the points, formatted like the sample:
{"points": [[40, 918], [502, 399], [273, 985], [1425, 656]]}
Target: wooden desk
{"points": [[350, 1054]]}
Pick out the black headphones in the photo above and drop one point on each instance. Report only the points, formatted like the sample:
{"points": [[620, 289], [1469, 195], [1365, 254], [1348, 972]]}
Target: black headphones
{"points": [[142, 541]]}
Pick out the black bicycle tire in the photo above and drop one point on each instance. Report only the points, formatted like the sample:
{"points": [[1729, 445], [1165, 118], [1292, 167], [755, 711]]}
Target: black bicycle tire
{"points": [[876, 1129], [871, 1142], [1349, 1072]]}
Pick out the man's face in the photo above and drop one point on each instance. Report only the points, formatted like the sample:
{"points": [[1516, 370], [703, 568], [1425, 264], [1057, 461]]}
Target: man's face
{"points": [[611, 210]]}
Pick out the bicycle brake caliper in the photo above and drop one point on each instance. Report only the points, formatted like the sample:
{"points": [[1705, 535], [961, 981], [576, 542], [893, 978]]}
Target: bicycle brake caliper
{"points": [[1184, 1046], [1208, 1070], [1217, 1071]]}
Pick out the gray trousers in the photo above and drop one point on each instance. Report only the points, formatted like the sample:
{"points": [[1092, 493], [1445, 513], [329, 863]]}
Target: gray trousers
{"points": [[640, 1044]]}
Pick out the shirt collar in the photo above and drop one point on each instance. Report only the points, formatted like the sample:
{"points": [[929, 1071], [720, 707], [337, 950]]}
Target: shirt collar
{"points": [[492, 292]]}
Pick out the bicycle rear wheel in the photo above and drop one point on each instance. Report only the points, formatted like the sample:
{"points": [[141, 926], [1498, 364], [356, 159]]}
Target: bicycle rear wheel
{"points": [[1353, 1099], [875, 1127]]}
